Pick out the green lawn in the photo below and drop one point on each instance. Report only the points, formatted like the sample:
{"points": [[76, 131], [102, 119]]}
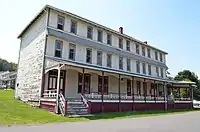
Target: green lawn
{"points": [[15, 112]]}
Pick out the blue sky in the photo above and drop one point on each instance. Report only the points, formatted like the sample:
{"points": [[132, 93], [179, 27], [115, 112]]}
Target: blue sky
{"points": [[171, 25]]}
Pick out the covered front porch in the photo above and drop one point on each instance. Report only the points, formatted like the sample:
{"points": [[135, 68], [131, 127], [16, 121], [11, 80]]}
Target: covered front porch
{"points": [[99, 89]]}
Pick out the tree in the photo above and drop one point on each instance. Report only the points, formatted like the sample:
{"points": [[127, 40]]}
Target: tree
{"points": [[187, 75], [6, 66]]}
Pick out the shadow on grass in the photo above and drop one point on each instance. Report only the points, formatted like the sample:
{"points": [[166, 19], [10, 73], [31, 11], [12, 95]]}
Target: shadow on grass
{"points": [[118, 115]]}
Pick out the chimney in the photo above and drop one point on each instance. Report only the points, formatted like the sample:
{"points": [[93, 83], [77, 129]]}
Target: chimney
{"points": [[145, 42], [121, 30]]}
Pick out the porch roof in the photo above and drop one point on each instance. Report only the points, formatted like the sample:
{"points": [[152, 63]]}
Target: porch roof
{"points": [[100, 68]]}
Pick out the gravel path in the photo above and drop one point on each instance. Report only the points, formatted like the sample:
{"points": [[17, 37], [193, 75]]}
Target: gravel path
{"points": [[187, 122]]}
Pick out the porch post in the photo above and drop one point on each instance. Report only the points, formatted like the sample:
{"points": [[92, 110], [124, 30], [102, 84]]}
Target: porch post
{"points": [[179, 93], [165, 95], [119, 81], [192, 93], [132, 90], [145, 90], [102, 92], [155, 91], [83, 82], [58, 91]]}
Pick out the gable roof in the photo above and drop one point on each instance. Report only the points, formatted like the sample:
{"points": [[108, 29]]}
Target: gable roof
{"points": [[87, 21]]}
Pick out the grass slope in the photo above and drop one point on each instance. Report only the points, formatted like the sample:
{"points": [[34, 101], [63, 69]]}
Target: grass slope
{"points": [[15, 112]]}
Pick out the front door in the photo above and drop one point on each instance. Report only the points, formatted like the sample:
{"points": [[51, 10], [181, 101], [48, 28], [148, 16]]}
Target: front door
{"points": [[128, 87], [87, 79], [105, 89], [52, 80]]}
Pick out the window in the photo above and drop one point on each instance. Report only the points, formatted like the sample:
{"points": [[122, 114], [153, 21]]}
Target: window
{"points": [[72, 51], [60, 23], [149, 69], [109, 39], [73, 27], [137, 66], [109, 60], [143, 68], [128, 65], [161, 72], [157, 71], [58, 48], [99, 58], [121, 63], [89, 32], [138, 86], [105, 84], [127, 45], [161, 59], [156, 55], [143, 50], [137, 49], [149, 53], [100, 36], [120, 43], [88, 55]]}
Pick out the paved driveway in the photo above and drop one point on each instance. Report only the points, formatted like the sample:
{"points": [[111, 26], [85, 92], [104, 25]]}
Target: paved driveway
{"points": [[187, 122]]}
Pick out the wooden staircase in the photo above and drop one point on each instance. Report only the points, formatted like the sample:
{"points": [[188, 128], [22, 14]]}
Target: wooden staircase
{"points": [[71, 107]]}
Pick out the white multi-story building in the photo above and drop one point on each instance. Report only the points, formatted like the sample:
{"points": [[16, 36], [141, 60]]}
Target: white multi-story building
{"points": [[102, 66]]}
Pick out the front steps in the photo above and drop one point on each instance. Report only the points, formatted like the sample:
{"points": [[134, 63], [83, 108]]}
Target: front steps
{"points": [[75, 107]]}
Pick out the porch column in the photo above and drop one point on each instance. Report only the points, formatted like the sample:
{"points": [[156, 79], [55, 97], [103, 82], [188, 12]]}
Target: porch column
{"points": [[192, 93], [179, 93], [145, 90], [165, 95], [58, 90], [132, 90], [102, 92], [83, 82], [119, 81], [155, 91]]}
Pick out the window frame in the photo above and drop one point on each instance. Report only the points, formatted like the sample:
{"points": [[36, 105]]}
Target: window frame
{"points": [[120, 41], [89, 27], [144, 68], [137, 48], [161, 57], [56, 49], [143, 51], [149, 52], [109, 61], [75, 28], [109, 40], [137, 66], [156, 55], [162, 72], [88, 49], [74, 54], [149, 69], [128, 64], [99, 60], [99, 38], [121, 63], [128, 46], [58, 23], [157, 71]]}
